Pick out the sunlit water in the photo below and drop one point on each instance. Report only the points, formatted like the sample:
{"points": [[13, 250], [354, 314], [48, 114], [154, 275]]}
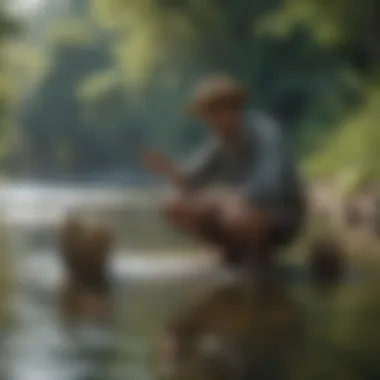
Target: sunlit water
{"points": [[343, 326]]}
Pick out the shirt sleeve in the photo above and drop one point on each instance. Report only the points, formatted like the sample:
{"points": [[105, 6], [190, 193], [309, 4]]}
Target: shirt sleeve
{"points": [[265, 186], [201, 169]]}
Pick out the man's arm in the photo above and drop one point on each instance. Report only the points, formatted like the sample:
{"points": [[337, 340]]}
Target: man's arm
{"points": [[161, 165], [194, 174], [202, 167]]}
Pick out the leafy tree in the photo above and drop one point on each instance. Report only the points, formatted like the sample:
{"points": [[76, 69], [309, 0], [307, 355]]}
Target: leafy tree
{"points": [[120, 73], [163, 46], [353, 28]]}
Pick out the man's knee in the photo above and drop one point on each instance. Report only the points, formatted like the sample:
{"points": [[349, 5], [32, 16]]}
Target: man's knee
{"points": [[174, 210], [235, 226], [187, 212], [244, 226]]}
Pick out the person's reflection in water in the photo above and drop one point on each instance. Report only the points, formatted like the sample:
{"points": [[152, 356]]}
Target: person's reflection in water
{"points": [[236, 332]]}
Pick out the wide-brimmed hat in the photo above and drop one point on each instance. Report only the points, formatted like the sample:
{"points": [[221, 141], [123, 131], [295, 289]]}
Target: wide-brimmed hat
{"points": [[214, 90]]}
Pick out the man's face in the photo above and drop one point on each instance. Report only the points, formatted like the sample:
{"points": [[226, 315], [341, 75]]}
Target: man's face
{"points": [[224, 120]]}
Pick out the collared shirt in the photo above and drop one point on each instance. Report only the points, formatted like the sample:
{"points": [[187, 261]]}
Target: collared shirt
{"points": [[258, 163]]}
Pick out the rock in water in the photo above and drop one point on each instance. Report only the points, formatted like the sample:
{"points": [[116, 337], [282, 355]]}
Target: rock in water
{"points": [[327, 261], [85, 246]]}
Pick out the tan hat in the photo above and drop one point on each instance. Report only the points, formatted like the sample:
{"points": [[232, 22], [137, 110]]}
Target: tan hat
{"points": [[215, 89]]}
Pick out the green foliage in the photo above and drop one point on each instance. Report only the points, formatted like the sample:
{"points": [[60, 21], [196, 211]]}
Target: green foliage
{"points": [[97, 86], [350, 152], [7, 28], [332, 22], [70, 31], [120, 72], [154, 33], [286, 74], [353, 152], [321, 20], [7, 84]]}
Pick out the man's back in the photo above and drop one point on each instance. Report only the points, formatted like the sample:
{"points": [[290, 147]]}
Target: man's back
{"points": [[258, 161]]}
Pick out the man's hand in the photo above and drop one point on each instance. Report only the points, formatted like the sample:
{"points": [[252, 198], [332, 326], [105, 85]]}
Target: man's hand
{"points": [[161, 165], [157, 162]]}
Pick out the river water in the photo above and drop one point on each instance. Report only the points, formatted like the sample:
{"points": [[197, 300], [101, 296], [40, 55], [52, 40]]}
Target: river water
{"points": [[343, 325], [149, 287]]}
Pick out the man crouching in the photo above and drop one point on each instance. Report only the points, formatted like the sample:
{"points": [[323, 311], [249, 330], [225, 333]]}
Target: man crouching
{"points": [[265, 206], [85, 246]]}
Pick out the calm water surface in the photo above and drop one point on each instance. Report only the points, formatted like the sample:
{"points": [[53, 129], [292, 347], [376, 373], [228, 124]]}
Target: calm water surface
{"points": [[342, 326]]}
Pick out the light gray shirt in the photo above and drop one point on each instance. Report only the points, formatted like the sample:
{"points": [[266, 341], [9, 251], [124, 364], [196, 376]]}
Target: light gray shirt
{"points": [[258, 163]]}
